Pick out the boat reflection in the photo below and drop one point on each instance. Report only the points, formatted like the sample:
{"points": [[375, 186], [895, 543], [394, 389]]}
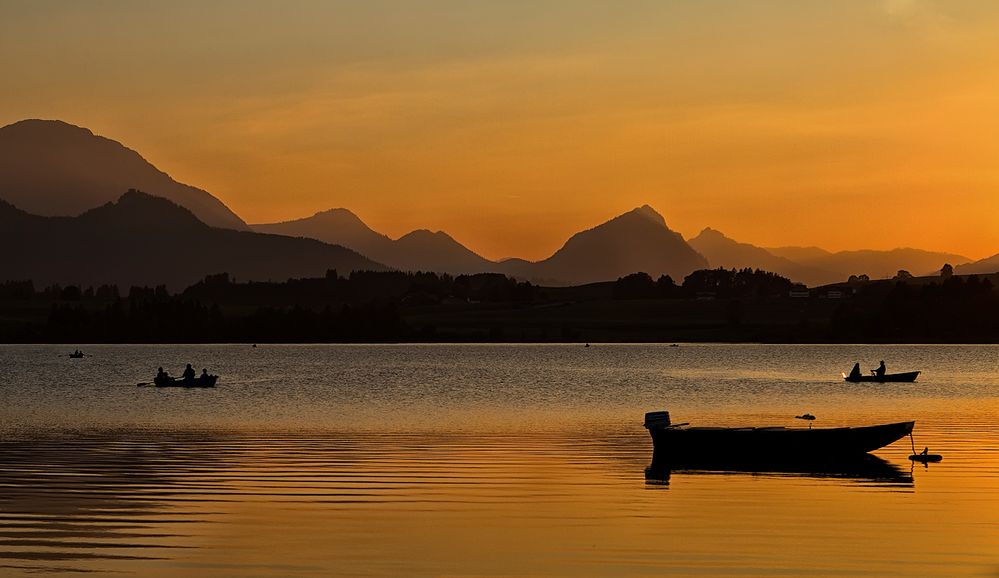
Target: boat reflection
{"points": [[867, 469]]}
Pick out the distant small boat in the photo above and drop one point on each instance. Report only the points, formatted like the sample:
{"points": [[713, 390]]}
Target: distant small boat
{"points": [[908, 376], [201, 381], [76, 355], [676, 442]]}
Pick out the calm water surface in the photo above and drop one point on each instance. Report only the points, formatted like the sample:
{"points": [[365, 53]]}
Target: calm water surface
{"points": [[483, 460]]}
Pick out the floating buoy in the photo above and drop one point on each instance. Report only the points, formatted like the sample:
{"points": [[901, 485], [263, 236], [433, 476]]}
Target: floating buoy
{"points": [[923, 457]]}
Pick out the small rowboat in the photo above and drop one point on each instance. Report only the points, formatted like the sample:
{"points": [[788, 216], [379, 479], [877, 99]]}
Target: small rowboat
{"points": [[909, 376], [202, 381], [758, 443]]}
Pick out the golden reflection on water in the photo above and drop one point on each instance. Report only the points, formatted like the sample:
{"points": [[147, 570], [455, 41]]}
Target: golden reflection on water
{"points": [[484, 460], [172, 503]]}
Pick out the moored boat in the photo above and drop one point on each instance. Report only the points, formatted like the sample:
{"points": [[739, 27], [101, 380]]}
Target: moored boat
{"points": [[908, 376], [202, 381], [677, 442]]}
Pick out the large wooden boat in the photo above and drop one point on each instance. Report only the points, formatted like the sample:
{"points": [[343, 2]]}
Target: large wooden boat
{"points": [[680, 442]]}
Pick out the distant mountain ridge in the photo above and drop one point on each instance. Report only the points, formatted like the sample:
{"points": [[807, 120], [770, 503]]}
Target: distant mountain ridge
{"points": [[638, 240], [721, 251], [982, 266], [875, 264], [419, 250], [53, 168], [145, 240]]}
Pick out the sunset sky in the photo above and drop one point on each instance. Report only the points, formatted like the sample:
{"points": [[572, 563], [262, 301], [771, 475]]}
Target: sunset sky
{"points": [[511, 125]]}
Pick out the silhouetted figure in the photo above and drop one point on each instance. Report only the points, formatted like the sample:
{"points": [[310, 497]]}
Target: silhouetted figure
{"points": [[855, 372], [881, 370], [188, 372], [204, 374], [160, 374]]}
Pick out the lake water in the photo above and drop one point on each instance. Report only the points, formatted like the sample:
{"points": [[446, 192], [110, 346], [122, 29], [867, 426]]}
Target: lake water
{"points": [[485, 460]]}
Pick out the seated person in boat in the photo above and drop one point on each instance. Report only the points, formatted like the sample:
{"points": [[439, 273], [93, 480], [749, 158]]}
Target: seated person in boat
{"points": [[881, 370], [855, 372], [160, 374], [204, 374], [188, 372]]}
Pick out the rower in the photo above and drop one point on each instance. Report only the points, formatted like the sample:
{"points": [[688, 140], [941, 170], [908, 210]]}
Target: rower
{"points": [[188, 372]]}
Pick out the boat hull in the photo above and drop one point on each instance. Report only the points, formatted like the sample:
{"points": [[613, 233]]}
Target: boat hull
{"points": [[685, 444], [208, 381], [907, 377]]}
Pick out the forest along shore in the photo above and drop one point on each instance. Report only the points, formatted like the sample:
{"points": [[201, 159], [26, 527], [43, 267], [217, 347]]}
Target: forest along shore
{"points": [[714, 305]]}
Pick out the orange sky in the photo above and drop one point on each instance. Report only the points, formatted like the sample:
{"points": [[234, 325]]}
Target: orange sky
{"points": [[513, 124]]}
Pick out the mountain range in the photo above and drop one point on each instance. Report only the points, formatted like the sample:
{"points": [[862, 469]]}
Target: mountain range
{"points": [[145, 240], [419, 250], [51, 171], [638, 240], [814, 266], [875, 264], [721, 251], [52, 168]]}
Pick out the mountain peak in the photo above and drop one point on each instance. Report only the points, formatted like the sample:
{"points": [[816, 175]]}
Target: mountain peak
{"points": [[428, 234], [709, 233], [647, 212], [336, 212], [638, 240], [41, 127]]}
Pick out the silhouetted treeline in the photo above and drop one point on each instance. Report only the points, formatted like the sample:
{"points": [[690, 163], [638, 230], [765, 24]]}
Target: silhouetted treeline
{"points": [[716, 283], [361, 307], [362, 287], [710, 305], [954, 310]]}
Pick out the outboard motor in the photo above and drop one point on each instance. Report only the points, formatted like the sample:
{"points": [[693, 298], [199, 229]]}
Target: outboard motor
{"points": [[657, 419]]}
